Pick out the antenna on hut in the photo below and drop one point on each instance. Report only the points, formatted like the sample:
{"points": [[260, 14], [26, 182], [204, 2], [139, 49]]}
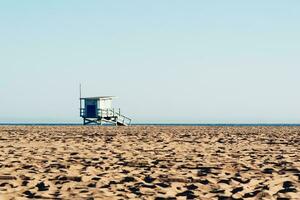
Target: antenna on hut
{"points": [[80, 90], [80, 100]]}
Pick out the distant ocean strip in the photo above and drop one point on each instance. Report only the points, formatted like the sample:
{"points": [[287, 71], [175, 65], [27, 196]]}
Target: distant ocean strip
{"points": [[146, 124]]}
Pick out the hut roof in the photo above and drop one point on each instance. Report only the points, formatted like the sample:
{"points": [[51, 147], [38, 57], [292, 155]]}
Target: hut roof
{"points": [[99, 97]]}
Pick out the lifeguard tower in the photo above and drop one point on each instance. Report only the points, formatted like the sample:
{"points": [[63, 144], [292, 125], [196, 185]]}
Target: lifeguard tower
{"points": [[98, 110]]}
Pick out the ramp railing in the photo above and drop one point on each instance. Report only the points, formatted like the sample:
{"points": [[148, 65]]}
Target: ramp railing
{"points": [[114, 113]]}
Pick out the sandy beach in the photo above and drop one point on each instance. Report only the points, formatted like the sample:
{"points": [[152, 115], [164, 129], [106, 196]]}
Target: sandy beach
{"points": [[149, 162]]}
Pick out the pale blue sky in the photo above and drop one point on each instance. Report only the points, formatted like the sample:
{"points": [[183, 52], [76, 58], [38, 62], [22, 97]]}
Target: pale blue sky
{"points": [[187, 61]]}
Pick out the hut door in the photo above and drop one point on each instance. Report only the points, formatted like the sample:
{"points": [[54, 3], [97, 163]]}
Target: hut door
{"points": [[91, 111]]}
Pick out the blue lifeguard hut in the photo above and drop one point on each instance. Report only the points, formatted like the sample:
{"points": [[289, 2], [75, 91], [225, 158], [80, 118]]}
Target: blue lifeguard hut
{"points": [[99, 110]]}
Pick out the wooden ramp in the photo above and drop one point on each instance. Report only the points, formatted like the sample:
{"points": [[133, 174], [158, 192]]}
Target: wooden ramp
{"points": [[111, 116]]}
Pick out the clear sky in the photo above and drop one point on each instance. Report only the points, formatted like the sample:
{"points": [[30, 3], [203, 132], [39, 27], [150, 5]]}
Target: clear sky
{"points": [[188, 61]]}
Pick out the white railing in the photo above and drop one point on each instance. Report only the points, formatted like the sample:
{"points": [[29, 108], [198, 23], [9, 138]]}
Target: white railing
{"points": [[114, 113], [109, 113]]}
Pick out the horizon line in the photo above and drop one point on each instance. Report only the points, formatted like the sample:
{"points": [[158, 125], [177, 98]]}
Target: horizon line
{"points": [[154, 124]]}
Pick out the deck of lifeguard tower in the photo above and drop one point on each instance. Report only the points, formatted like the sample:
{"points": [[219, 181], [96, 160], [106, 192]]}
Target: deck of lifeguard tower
{"points": [[97, 110]]}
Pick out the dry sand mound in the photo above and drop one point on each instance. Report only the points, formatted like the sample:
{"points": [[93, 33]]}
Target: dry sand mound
{"points": [[149, 162]]}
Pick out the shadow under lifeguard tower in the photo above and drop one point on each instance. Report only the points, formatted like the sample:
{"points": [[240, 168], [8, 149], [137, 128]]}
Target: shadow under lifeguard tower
{"points": [[98, 110]]}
